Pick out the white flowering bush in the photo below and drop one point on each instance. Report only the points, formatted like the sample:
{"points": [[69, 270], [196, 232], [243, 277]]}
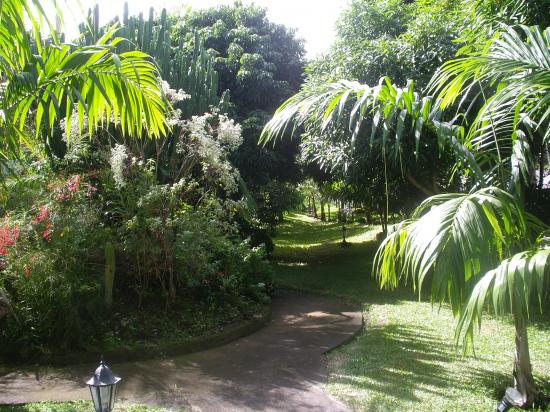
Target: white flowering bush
{"points": [[209, 141], [118, 160]]}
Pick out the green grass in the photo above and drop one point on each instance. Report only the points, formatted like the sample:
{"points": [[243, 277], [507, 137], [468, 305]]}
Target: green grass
{"points": [[303, 236], [80, 406], [405, 357]]}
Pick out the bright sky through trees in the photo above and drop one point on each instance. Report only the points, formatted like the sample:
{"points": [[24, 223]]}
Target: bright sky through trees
{"points": [[313, 19]]}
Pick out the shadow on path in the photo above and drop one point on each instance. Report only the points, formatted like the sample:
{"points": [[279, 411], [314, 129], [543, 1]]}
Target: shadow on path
{"points": [[280, 367]]}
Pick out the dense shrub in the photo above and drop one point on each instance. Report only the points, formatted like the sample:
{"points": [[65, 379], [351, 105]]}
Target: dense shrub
{"points": [[169, 211], [47, 265]]}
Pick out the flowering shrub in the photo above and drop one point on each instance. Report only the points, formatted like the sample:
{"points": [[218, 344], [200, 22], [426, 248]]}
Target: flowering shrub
{"points": [[8, 237], [118, 159], [165, 210], [49, 252]]}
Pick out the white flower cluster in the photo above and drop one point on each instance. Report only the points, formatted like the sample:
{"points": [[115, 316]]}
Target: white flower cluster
{"points": [[174, 95], [229, 133], [119, 157], [75, 134], [213, 145]]}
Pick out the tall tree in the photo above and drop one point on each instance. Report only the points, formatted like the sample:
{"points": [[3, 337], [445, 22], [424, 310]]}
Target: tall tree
{"points": [[262, 64], [401, 39]]}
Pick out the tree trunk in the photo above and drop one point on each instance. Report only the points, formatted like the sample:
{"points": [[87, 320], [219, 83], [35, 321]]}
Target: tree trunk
{"points": [[109, 277], [541, 169], [368, 216], [328, 206], [314, 207], [323, 216], [384, 220], [523, 374]]}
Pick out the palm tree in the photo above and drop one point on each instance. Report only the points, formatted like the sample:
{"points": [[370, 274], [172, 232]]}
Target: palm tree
{"points": [[478, 249], [513, 81], [45, 81]]}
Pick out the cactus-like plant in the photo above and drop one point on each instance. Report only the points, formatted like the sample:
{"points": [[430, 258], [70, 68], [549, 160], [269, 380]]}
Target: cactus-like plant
{"points": [[193, 72]]}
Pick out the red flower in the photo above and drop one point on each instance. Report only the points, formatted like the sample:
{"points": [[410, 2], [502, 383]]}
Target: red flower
{"points": [[91, 190], [69, 188], [47, 233], [8, 237], [73, 183], [43, 214]]}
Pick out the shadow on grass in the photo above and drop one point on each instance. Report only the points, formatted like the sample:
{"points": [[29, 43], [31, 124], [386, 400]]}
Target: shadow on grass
{"points": [[400, 360], [406, 363], [300, 231], [344, 272], [398, 365]]}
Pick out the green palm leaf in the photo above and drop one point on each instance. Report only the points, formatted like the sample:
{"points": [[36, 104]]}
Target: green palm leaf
{"points": [[52, 83], [509, 288], [516, 75], [452, 240]]}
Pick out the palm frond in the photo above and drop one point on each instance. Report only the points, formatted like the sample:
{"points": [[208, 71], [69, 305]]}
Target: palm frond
{"points": [[385, 112], [509, 288], [516, 76], [452, 239], [55, 80]]}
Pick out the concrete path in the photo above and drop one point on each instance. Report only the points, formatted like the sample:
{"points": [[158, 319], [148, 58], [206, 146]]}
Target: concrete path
{"points": [[281, 367]]}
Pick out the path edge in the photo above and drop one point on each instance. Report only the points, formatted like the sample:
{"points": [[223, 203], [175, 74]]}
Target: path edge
{"points": [[184, 347]]}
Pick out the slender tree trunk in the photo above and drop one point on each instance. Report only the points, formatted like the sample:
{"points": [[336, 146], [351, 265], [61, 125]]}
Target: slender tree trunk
{"points": [[109, 276], [541, 170], [323, 216], [314, 207], [384, 221], [523, 374], [328, 205]]}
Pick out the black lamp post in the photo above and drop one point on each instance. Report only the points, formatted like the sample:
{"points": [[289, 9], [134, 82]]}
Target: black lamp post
{"points": [[103, 388]]}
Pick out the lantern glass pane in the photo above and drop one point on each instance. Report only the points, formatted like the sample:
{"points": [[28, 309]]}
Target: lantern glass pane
{"points": [[94, 390], [105, 395], [113, 394]]}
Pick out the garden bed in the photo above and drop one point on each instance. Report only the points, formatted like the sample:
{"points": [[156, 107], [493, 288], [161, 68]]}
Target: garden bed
{"points": [[148, 333]]}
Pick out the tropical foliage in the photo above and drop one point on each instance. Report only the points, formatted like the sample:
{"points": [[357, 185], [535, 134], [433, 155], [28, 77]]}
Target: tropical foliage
{"points": [[48, 81], [470, 248], [141, 209], [262, 64]]}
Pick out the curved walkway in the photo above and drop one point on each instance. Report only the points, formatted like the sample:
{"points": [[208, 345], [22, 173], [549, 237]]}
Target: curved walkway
{"points": [[280, 367]]}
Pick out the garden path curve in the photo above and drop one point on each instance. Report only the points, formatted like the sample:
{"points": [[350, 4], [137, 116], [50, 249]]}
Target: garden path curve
{"points": [[280, 367]]}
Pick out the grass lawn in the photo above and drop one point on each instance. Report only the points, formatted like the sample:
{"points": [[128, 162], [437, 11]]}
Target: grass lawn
{"points": [[80, 406], [405, 358]]}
